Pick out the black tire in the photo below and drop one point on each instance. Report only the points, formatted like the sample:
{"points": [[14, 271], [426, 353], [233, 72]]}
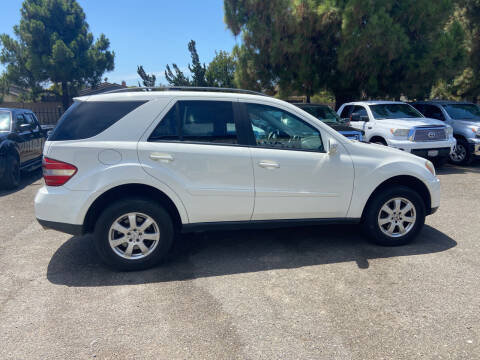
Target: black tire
{"points": [[462, 154], [11, 177], [108, 217], [370, 220]]}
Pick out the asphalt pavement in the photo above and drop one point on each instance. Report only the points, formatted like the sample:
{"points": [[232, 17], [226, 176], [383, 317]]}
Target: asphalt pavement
{"points": [[303, 293]]}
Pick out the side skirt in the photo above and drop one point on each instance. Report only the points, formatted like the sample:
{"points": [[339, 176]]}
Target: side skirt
{"points": [[264, 224]]}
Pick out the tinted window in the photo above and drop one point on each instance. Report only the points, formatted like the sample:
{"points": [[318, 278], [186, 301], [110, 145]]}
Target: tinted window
{"points": [[5, 121], [346, 112], [20, 121], [85, 119], [200, 121], [275, 128], [360, 110], [469, 112], [31, 120], [433, 112], [394, 111], [323, 113]]}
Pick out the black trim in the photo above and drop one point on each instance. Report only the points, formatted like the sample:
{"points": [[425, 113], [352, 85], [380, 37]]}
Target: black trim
{"points": [[71, 229], [264, 224], [432, 210], [442, 152]]}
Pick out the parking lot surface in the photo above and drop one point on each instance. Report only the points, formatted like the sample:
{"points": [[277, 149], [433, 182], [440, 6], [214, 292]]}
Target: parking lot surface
{"points": [[304, 293]]}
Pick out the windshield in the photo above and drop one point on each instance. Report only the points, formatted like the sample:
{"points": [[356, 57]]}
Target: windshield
{"points": [[5, 121], [469, 112], [394, 111], [323, 113]]}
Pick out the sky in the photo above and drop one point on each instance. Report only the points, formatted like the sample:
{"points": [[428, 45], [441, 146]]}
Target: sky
{"points": [[147, 32]]}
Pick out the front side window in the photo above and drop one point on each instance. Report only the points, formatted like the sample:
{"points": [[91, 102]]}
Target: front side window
{"points": [[32, 122], [275, 128], [5, 121], [323, 113], [360, 110], [433, 112], [198, 121], [346, 111], [394, 111], [468, 112]]}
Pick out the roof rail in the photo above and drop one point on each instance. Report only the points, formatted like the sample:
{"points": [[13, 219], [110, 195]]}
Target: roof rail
{"points": [[186, 88]]}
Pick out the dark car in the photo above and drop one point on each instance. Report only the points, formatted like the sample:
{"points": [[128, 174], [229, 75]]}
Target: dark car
{"points": [[330, 117], [21, 144], [464, 118]]}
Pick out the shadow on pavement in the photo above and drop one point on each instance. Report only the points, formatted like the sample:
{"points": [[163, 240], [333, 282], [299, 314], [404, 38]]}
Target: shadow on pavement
{"points": [[448, 169], [75, 263], [27, 178]]}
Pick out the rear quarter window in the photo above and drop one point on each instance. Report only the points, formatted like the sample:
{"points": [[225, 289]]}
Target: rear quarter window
{"points": [[85, 119]]}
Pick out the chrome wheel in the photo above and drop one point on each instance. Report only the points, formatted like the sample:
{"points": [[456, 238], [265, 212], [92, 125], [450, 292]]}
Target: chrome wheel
{"points": [[134, 236], [459, 153], [397, 217]]}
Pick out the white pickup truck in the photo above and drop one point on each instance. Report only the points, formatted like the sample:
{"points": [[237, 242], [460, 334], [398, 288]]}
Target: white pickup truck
{"points": [[401, 126]]}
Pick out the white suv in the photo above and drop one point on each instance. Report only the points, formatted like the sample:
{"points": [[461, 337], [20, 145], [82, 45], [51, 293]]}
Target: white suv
{"points": [[401, 126], [137, 167]]}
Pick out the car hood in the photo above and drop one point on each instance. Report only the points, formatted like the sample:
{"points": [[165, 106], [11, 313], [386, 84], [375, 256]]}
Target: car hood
{"points": [[375, 149], [410, 122], [467, 122], [341, 127]]}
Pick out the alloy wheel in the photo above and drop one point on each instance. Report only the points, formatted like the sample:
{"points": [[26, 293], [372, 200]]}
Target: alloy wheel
{"points": [[134, 236], [459, 153], [397, 217]]}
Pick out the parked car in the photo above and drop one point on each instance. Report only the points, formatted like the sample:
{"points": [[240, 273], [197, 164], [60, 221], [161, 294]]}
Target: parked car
{"points": [[328, 116], [401, 126], [21, 144], [464, 117], [135, 168]]}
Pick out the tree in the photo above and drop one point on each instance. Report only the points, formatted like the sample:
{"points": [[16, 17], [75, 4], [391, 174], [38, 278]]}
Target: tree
{"points": [[54, 45], [354, 48], [178, 78], [148, 80], [221, 70], [219, 73], [197, 69]]}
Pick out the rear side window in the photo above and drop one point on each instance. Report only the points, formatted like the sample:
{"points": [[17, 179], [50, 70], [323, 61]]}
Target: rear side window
{"points": [[198, 121], [85, 119]]}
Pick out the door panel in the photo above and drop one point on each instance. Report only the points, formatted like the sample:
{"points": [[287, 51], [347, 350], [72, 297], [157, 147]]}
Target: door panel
{"points": [[194, 149], [294, 177], [38, 137], [25, 139]]}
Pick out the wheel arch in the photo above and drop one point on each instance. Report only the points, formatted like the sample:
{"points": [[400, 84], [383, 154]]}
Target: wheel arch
{"points": [[379, 138], [406, 180], [131, 190], [9, 147]]}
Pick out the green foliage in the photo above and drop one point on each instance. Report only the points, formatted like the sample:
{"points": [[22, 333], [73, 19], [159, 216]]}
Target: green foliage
{"points": [[219, 73], [147, 80], [221, 70], [355, 48], [54, 45]]}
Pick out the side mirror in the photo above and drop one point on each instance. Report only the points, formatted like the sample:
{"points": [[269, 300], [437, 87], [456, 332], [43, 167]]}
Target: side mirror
{"points": [[49, 132], [25, 127], [332, 147]]}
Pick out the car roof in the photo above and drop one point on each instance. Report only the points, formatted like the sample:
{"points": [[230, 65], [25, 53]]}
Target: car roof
{"points": [[310, 104], [16, 110], [440, 102], [374, 102]]}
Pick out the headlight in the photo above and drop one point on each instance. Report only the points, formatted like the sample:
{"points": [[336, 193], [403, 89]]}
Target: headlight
{"points": [[449, 131], [400, 132], [430, 167]]}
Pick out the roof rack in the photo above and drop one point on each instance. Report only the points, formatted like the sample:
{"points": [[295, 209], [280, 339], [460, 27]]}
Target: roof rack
{"points": [[186, 88]]}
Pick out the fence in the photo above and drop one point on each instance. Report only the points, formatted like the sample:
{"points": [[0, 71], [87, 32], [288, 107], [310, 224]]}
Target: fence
{"points": [[47, 113]]}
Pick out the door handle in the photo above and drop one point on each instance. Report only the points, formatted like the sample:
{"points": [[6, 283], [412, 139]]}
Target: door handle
{"points": [[269, 164], [161, 157]]}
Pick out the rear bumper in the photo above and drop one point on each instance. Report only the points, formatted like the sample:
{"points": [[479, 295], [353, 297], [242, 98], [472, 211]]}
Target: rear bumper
{"points": [[71, 229]]}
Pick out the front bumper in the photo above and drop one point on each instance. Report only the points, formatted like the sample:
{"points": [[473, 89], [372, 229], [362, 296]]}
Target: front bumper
{"points": [[475, 146], [422, 148]]}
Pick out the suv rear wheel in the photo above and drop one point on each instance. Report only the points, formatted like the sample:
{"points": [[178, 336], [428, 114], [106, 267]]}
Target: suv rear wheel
{"points": [[133, 234], [394, 216]]}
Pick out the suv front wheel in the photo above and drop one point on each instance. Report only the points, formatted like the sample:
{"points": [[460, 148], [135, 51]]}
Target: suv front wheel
{"points": [[394, 216], [133, 234]]}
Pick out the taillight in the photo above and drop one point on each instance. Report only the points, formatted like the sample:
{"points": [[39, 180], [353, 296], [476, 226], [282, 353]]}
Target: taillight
{"points": [[57, 173]]}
